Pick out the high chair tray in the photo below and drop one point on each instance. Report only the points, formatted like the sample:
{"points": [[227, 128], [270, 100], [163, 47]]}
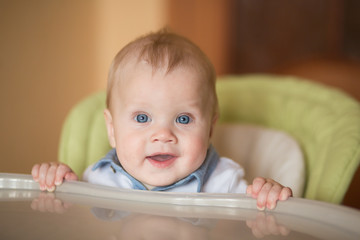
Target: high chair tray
{"points": [[79, 210]]}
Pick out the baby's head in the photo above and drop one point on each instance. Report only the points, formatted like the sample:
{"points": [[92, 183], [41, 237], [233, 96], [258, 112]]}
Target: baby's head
{"points": [[161, 107], [164, 51]]}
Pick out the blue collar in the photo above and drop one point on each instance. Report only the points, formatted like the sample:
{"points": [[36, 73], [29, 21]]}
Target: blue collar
{"points": [[201, 174]]}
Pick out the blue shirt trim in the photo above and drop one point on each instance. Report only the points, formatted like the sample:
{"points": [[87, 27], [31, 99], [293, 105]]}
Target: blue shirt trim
{"points": [[201, 175]]}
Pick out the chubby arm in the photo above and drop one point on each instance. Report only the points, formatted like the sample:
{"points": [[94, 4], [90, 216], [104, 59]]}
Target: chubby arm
{"points": [[50, 175], [268, 192]]}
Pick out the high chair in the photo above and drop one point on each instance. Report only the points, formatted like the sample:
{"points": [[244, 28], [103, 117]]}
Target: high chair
{"points": [[299, 133]]}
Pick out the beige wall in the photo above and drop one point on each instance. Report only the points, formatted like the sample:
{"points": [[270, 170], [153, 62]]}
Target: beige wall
{"points": [[206, 23], [53, 53]]}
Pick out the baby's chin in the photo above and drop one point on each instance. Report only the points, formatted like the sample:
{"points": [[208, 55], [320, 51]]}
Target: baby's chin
{"points": [[159, 183]]}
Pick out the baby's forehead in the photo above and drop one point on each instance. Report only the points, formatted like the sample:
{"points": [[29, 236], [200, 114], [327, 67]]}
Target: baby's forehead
{"points": [[134, 73], [130, 69]]}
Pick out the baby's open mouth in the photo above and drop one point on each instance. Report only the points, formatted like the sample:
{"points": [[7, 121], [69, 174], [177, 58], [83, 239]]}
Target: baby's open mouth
{"points": [[161, 160], [161, 157]]}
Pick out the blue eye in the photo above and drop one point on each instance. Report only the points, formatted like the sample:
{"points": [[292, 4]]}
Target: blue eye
{"points": [[142, 118], [183, 119]]}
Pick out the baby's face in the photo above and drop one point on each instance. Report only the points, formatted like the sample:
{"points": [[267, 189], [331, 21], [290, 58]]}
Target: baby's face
{"points": [[160, 124]]}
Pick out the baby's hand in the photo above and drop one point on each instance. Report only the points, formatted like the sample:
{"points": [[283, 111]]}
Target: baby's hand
{"points": [[268, 192], [49, 175]]}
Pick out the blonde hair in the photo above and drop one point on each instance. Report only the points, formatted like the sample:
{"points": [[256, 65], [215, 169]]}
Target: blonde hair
{"points": [[164, 49]]}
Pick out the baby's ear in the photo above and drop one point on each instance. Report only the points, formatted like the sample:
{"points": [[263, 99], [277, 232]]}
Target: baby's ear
{"points": [[110, 127]]}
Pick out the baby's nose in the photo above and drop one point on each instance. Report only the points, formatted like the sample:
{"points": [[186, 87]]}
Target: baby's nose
{"points": [[164, 135]]}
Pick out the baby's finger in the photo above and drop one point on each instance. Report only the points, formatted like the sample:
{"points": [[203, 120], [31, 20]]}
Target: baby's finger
{"points": [[42, 175], [285, 194], [263, 195], [257, 185], [61, 172], [71, 176], [35, 172], [50, 177], [273, 196]]}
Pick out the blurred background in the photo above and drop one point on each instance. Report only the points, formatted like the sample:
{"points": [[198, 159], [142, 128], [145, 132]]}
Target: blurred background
{"points": [[54, 53]]}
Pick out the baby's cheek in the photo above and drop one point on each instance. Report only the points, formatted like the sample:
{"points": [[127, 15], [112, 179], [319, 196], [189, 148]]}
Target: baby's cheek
{"points": [[197, 149], [130, 146]]}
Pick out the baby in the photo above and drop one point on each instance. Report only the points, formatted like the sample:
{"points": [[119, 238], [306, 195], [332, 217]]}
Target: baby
{"points": [[161, 111]]}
